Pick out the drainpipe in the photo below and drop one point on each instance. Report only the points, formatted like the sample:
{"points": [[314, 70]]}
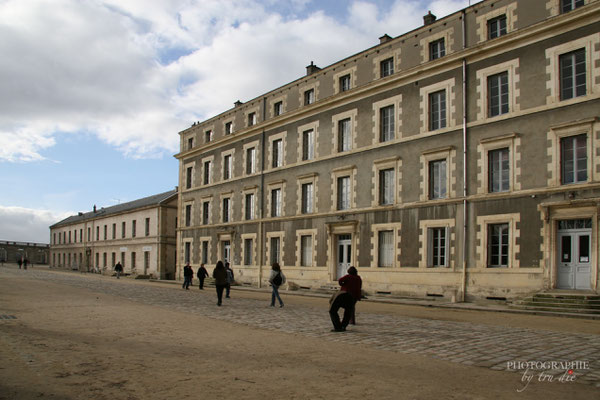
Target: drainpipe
{"points": [[464, 142], [261, 243]]}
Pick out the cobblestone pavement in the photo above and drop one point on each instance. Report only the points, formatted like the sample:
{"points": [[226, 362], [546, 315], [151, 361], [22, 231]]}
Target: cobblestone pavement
{"points": [[486, 346]]}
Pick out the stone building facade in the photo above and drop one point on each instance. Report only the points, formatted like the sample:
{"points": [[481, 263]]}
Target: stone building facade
{"points": [[12, 252], [140, 234], [461, 159]]}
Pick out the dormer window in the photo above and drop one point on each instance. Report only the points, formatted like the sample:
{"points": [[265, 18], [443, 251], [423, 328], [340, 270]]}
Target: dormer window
{"points": [[309, 97], [251, 119], [228, 128]]}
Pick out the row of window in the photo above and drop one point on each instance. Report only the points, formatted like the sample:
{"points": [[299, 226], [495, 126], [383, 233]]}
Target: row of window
{"points": [[436, 249], [68, 260], [65, 236], [496, 26], [500, 100], [573, 152]]}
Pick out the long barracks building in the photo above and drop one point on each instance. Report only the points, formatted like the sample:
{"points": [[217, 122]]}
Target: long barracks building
{"points": [[460, 159]]}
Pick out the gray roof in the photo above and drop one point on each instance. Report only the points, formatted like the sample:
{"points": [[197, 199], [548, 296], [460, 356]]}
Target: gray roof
{"points": [[155, 200]]}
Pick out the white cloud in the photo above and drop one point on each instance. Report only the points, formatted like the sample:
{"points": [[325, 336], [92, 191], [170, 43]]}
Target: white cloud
{"points": [[27, 225], [135, 73]]}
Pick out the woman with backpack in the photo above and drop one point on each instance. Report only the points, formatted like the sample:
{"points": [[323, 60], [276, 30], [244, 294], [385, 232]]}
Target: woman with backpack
{"points": [[220, 275], [276, 279]]}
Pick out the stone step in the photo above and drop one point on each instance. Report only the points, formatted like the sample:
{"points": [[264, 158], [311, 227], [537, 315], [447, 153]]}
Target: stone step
{"points": [[557, 304], [574, 297], [556, 309]]}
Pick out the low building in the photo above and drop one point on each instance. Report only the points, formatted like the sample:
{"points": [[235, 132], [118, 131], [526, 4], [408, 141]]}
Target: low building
{"points": [[12, 252], [140, 234], [461, 159]]}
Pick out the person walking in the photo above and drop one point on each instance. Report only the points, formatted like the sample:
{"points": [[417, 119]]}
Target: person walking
{"points": [[202, 273], [20, 262], [230, 279], [220, 275], [352, 283], [276, 279], [188, 275], [118, 269]]}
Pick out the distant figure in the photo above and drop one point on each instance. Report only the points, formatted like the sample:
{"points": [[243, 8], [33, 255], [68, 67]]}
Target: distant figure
{"points": [[188, 275], [25, 263], [118, 269], [276, 279], [202, 273], [220, 275], [352, 284], [230, 279], [20, 262]]}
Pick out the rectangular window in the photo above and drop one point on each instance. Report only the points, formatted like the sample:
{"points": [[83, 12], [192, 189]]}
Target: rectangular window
{"points": [[276, 203], [205, 212], [80, 235], [249, 214], [437, 247], [308, 145], [205, 252], [437, 179], [104, 260], [147, 229], [70, 236], [275, 250], [498, 169], [190, 143], [97, 233], [188, 215], [498, 94], [277, 153], [226, 209], [569, 5], [437, 110], [437, 49], [278, 108], [386, 186], [227, 167], [188, 178], [123, 229], [207, 136], [228, 128], [386, 115], [309, 97], [498, 245], [250, 161], [345, 83], [89, 234], [572, 74], [306, 250], [573, 155], [123, 259], [386, 248], [343, 195], [248, 251], [113, 258], [133, 260], [207, 166], [133, 228], [187, 252], [114, 232], [307, 198], [387, 67], [252, 119], [344, 138], [497, 27], [146, 261]]}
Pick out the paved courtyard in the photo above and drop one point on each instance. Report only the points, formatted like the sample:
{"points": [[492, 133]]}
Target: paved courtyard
{"points": [[481, 345]]}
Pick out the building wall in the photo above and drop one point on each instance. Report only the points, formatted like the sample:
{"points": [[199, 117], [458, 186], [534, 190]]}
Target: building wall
{"points": [[36, 253], [531, 129]]}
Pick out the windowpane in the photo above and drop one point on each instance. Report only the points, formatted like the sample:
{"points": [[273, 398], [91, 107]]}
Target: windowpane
{"points": [[568, 5], [250, 161], [437, 49], [306, 251], [344, 143], [275, 250], [344, 83], [188, 178], [497, 27], [574, 159], [498, 245], [498, 94], [248, 251], [308, 145], [387, 67], [226, 210], [437, 110], [387, 123], [276, 203], [277, 153], [343, 188], [498, 168], [249, 206], [278, 108], [205, 212], [572, 75], [437, 238], [227, 167], [386, 186], [386, 248], [309, 97], [307, 198], [205, 252], [437, 179]]}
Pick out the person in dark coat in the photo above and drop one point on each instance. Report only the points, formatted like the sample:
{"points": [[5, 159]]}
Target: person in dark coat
{"points": [[220, 275], [230, 279], [352, 284], [188, 275], [202, 273], [20, 262], [118, 269], [276, 279]]}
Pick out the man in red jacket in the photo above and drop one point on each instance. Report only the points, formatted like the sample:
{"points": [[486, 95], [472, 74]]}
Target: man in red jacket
{"points": [[346, 298]]}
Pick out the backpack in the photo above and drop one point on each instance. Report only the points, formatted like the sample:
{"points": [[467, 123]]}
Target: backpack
{"points": [[277, 280]]}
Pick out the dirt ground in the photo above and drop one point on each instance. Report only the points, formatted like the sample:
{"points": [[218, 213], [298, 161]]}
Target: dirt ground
{"points": [[72, 343]]}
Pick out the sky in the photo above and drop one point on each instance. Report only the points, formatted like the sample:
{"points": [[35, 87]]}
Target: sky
{"points": [[93, 93]]}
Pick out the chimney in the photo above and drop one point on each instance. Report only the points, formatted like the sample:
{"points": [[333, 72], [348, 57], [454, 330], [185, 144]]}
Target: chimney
{"points": [[237, 103], [385, 38], [429, 18], [94, 208], [311, 69]]}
